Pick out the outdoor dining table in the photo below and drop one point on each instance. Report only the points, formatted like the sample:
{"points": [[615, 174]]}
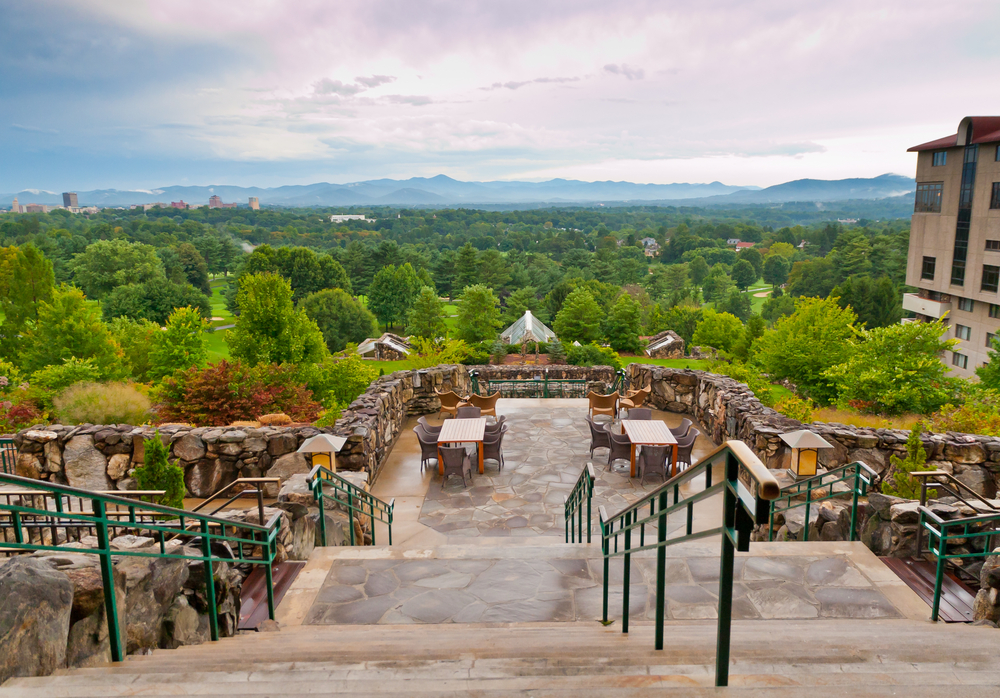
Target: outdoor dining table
{"points": [[462, 431], [649, 432]]}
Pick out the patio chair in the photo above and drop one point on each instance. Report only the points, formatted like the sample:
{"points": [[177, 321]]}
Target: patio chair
{"points": [[634, 398], [468, 412], [640, 413], [603, 404], [488, 403], [495, 427], [683, 429], [621, 447], [599, 437], [428, 427], [428, 446], [492, 447], [449, 402], [456, 462], [684, 448], [653, 460]]}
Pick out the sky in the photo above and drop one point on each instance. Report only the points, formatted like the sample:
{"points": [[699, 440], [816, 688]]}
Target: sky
{"points": [[136, 95]]}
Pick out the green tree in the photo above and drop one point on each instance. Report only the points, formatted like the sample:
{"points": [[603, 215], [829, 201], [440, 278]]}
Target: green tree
{"points": [[683, 319], [392, 292], [557, 353], [342, 319], [851, 254], [989, 372], [478, 314], [466, 268], [779, 307], [580, 318], [756, 260], [815, 278], [158, 473], [717, 284], [108, 264], [135, 337], [802, 346], [736, 303], [154, 301], [521, 300], [269, 328], [494, 271], [776, 270], [181, 345], [784, 249], [70, 327], [698, 270], [743, 274], [900, 483], [427, 315], [877, 302], [195, 268], [896, 369], [719, 330], [621, 327], [26, 283]]}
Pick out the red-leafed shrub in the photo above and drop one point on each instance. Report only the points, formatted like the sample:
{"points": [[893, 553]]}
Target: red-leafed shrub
{"points": [[18, 416], [228, 392]]}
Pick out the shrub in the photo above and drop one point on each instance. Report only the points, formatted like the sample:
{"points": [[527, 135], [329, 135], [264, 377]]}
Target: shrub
{"points": [[102, 403], [477, 355], [10, 377], [749, 375], [593, 355], [158, 473], [980, 414], [338, 379], [557, 353], [796, 408], [328, 417], [51, 380], [18, 415], [901, 484], [498, 352], [431, 352]]}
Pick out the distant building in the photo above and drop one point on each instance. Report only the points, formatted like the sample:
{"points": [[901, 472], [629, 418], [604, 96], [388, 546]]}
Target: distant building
{"points": [[733, 242], [648, 242], [254, 204], [651, 250], [744, 246], [15, 207], [802, 245], [847, 221], [388, 347], [349, 217], [70, 199], [179, 204], [37, 208], [215, 201]]}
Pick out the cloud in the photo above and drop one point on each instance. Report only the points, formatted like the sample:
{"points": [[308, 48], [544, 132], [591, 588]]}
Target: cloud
{"points": [[413, 100], [375, 80], [514, 85], [625, 70], [326, 86], [33, 129]]}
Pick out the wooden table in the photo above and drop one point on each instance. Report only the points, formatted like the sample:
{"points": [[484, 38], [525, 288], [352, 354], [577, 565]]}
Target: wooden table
{"points": [[462, 431], [649, 432]]}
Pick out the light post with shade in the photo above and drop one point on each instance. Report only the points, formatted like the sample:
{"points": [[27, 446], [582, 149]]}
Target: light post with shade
{"points": [[804, 445], [323, 447]]}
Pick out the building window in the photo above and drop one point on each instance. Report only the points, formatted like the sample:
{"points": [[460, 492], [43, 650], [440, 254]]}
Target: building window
{"points": [[940, 158], [998, 154], [963, 332], [930, 264], [928, 198], [989, 339], [995, 198], [993, 245], [991, 278], [966, 304], [994, 310], [960, 360]]}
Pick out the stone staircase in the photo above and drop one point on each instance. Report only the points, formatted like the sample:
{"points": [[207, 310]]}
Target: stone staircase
{"points": [[578, 660]]}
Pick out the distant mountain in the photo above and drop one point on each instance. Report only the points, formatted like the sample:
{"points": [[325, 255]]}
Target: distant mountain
{"points": [[445, 191]]}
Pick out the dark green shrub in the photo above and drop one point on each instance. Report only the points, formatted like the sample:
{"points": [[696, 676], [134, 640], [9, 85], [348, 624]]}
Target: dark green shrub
{"points": [[592, 355], [157, 473]]}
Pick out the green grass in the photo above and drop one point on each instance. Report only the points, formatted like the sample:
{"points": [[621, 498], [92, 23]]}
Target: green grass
{"points": [[695, 364], [757, 304], [218, 304], [779, 392], [390, 366], [218, 349]]}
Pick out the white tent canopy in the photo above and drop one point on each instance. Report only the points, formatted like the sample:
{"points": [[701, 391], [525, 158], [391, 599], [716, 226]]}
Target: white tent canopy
{"points": [[527, 328]]}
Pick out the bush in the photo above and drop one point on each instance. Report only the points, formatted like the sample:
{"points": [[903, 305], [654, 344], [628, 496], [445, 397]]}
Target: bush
{"points": [[51, 380], [342, 378], [498, 352], [980, 414], [328, 417], [557, 353], [432, 352], [102, 403], [477, 354], [796, 408], [158, 473], [18, 415], [592, 355], [749, 375], [10, 377], [228, 392], [901, 484]]}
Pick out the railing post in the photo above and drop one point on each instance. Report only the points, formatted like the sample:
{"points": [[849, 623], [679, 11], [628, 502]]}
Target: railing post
{"points": [[661, 569], [213, 611], [628, 570], [108, 580], [269, 572], [920, 528], [805, 530], [350, 516], [939, 573], [579, 511], [729, 504], [606, 550], [590, 495], [770, 522], [854, 503], [322, 513]]}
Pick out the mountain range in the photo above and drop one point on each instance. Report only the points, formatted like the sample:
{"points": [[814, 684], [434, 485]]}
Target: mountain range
{"points": [[445, 191]]}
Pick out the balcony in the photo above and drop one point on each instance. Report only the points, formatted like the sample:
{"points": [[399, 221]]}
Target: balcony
{"points": [[923, 306]]}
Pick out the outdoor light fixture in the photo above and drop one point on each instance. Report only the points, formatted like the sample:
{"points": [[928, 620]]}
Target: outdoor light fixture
{"points": [[322, 447], [804, 445]]}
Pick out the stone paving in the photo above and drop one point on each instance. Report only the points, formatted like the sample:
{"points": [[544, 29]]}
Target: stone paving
{"points": [[537, 587], [544, 455]]}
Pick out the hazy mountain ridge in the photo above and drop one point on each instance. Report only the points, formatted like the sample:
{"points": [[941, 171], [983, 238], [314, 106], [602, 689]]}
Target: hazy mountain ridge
{"points": [[443, 191]]}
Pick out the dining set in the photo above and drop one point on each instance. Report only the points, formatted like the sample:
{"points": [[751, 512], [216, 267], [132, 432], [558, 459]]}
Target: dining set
{"points": [[448, 443], [630, 433]]}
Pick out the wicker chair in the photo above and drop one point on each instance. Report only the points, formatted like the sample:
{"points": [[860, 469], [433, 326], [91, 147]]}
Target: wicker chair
{"points": [[621, 448], [449, 402], [643, 413], [683, 429], [428, 427], [603, 404], [487, 404], [684, 447], [492, 446], [428, 446], [653, 460], [468, 412], [456, 462], [599, 437], [634, 398], [495, 427]]}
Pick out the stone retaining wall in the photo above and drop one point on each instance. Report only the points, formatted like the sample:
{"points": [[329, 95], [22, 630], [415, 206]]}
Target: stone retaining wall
{"points": [[729, 410], [599, 378]]}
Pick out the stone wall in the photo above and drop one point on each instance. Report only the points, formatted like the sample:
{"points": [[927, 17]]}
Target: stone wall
{"points": [[729, 410], [599, 378]]}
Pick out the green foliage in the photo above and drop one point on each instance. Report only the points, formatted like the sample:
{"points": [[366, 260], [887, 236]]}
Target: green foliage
{"points": [[521, 300], [814, 278], [796, 408], [180, 345], [328, 417], [154, 301], [579, 320], [194, 267], [802, 346], [622, 326], [135, 337], [752, 331], [557, 353], [498, 352], [427, 315], [342, 319], [749, 375], [683, 319], [989, 372], [744, 275], [776, 268], [901, 484], [10, 377], [346, 376], [392, 293], [776, 308], [478, 314], [877, 302], [896, 369], [305, 270], [756, 260], [979, 413], [719, 330], [26, 282], [433, 352], [466, 268], [717, 284], [158, 473], [698, 270], [736, 303], [270, 329], [102, 403], [592, 355], [107, 264]]}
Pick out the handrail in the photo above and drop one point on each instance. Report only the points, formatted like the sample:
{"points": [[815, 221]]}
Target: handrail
{"points": [[942, 480], [259, 493], [345, 493], [573, 505], [8, 456], [857, 473], [747, 488], [254, 544]]}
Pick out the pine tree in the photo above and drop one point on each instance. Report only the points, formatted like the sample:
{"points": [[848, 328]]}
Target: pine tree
{"points": [[580, 318], [901, 484], [622, 325], [466, 268], [478, 314], [557, 354], [158, 473], [427, 315], [181, 344]]}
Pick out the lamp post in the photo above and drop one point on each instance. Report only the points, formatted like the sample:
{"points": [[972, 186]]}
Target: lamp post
{"points": [[323, 447], [805, 446]]}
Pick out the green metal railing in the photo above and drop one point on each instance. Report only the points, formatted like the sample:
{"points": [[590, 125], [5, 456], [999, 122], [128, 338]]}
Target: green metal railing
{"points": [[327, 486], [620, 383], [583, 492], [28, 525], [856, 477], [8, 456], [539, 387], [746, 486]]}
